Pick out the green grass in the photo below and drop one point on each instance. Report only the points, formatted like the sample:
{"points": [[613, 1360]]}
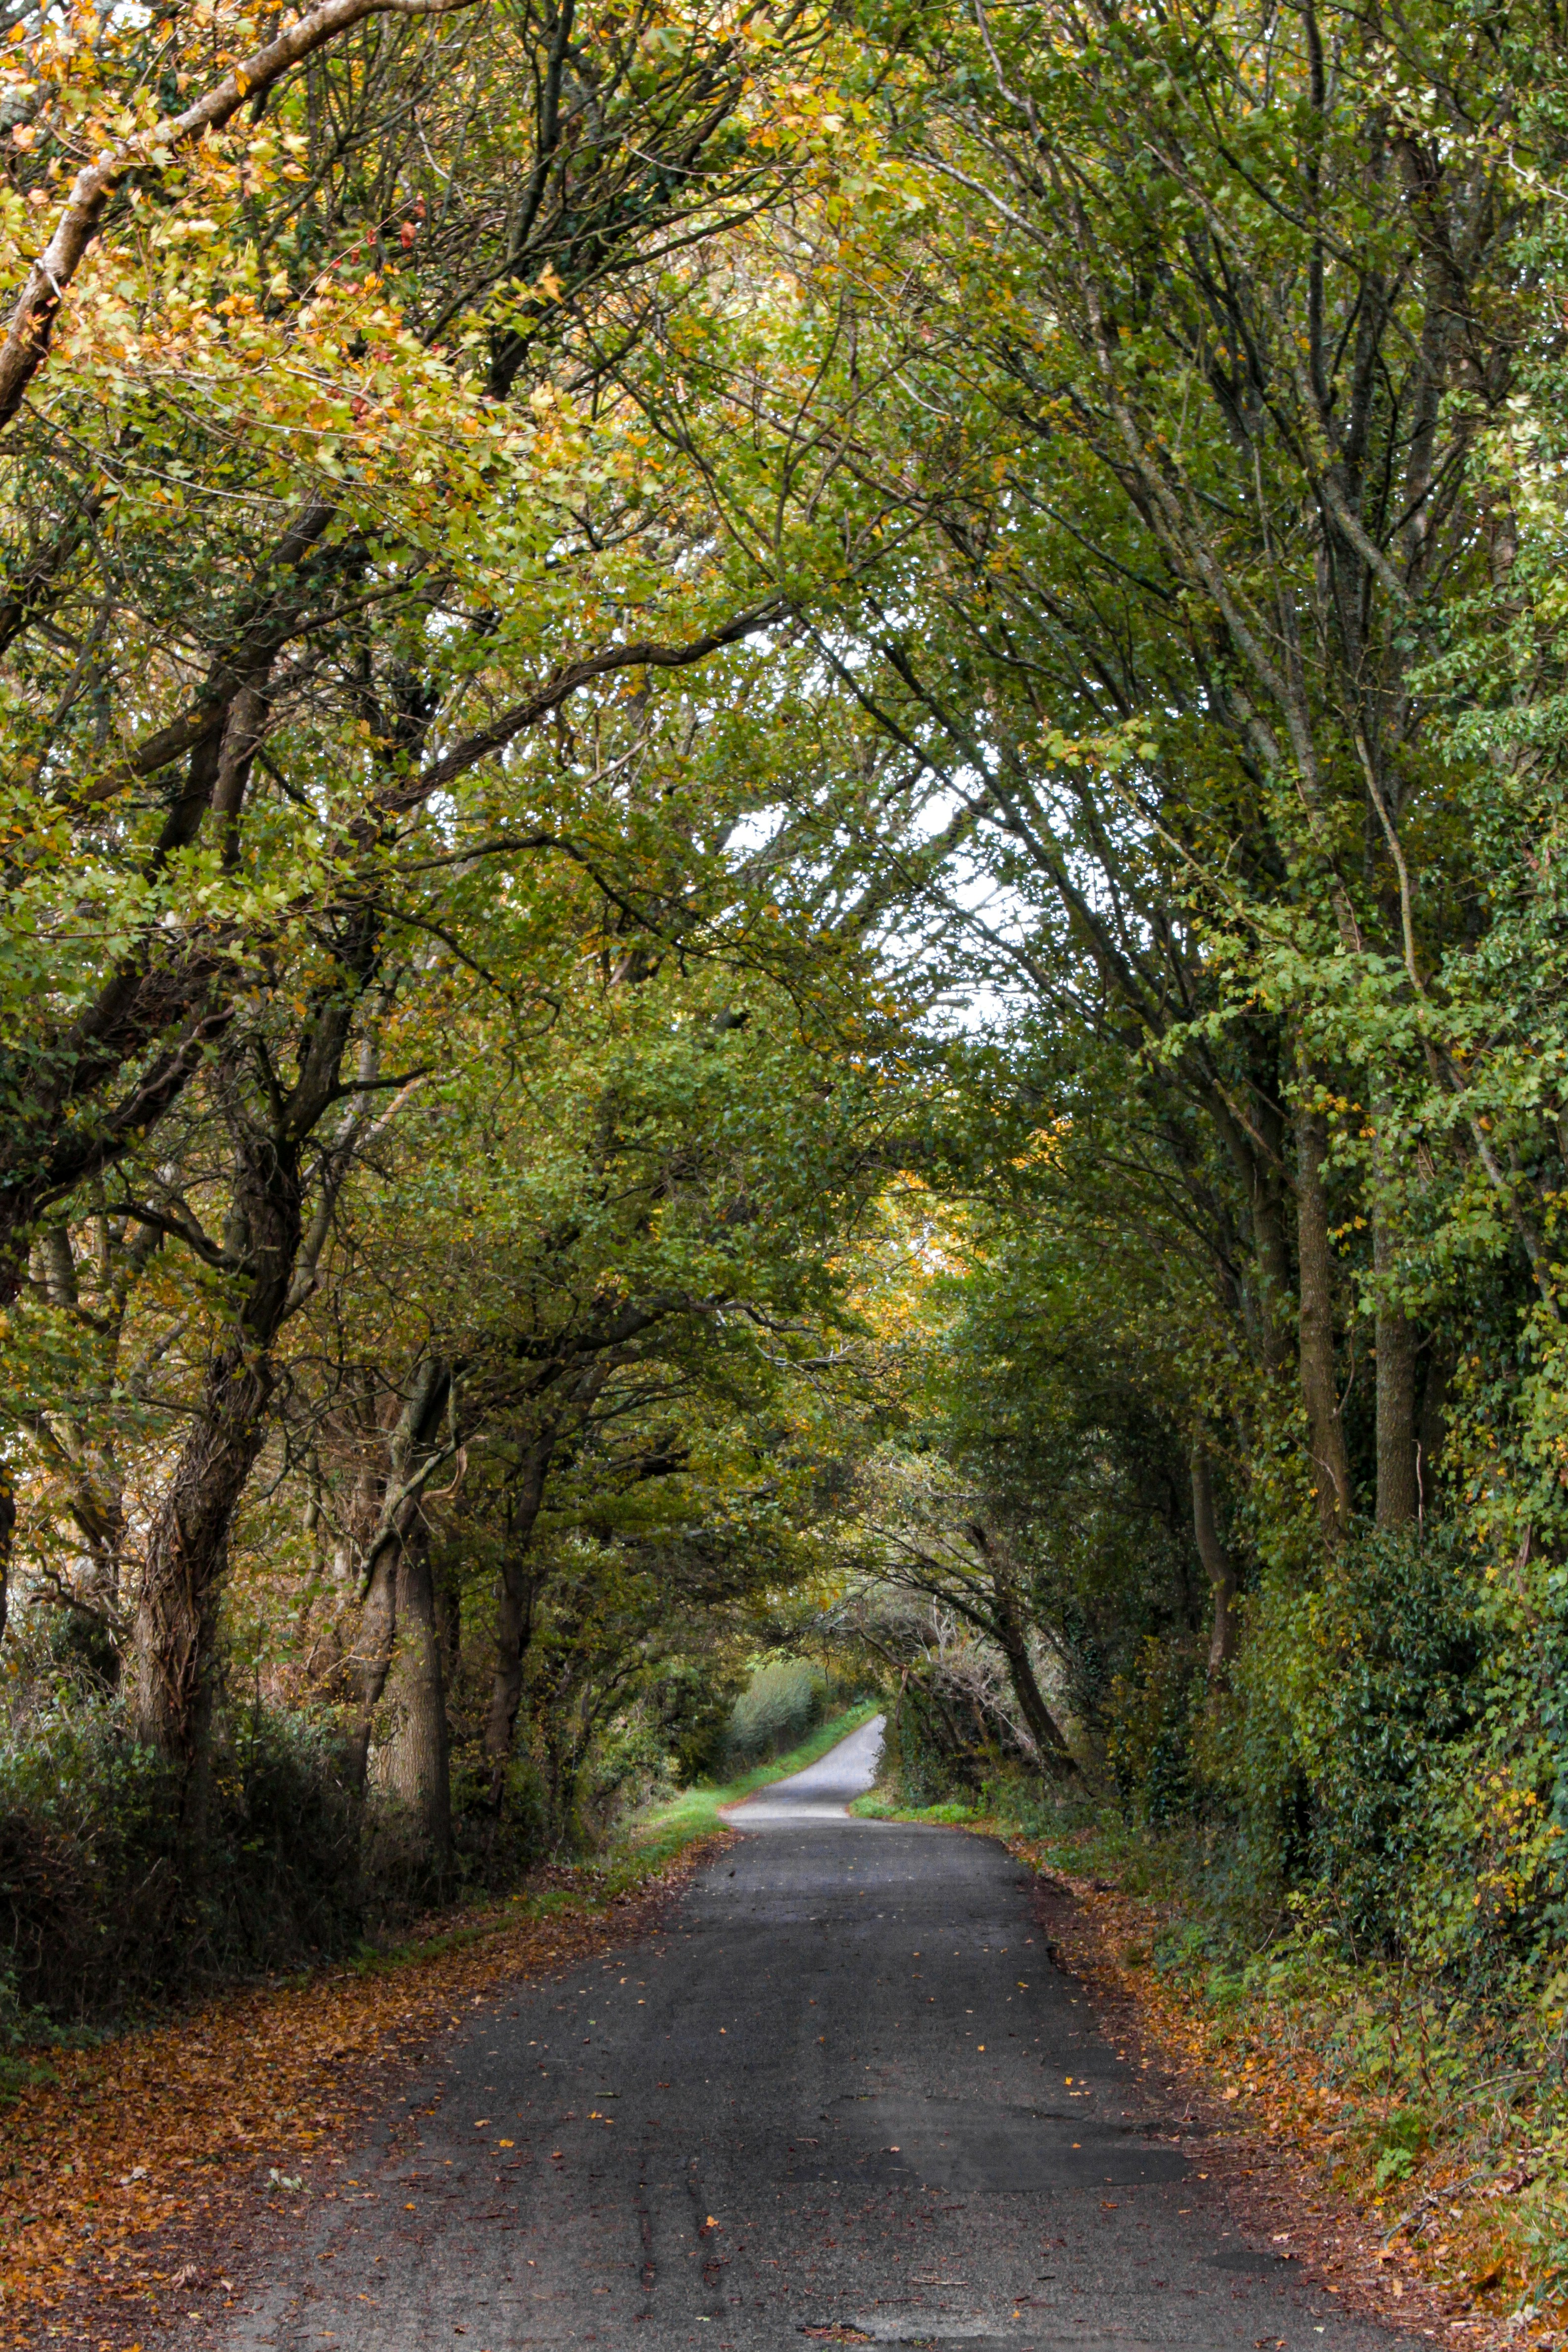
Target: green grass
{"points": [[659, 1833], [949, 1815]]}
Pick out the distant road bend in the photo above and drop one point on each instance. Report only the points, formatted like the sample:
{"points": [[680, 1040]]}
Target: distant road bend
{"points": [[841, 2097]]}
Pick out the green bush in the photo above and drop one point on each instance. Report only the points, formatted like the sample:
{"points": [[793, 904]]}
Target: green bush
{"points": [[1384, 1765], [1149, 1718], [932, 1756], [116, 1892], [932, 1769], [782, 1703], [1400, 2143], [1356, 1699], [696, 1715], [1383, 1758]]}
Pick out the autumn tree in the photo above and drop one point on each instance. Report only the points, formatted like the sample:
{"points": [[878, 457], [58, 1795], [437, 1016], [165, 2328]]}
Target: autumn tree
{"points": [[410, 522]]}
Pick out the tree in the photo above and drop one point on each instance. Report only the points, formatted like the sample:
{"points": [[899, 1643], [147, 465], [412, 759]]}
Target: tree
{"points": [[1232, 326], [418, 567]]}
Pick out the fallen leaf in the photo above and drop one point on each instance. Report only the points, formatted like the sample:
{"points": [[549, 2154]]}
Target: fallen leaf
{"points": [[256, 2081]]}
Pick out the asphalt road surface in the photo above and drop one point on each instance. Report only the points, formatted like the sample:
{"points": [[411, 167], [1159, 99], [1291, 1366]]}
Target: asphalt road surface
{"points": [[842, 2097]]}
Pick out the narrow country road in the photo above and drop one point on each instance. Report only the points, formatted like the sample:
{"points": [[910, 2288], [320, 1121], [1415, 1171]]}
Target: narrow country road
{"points": [[842, 2097]]}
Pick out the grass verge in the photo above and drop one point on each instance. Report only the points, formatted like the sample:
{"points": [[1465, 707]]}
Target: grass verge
{"points": [[875, 1805]]}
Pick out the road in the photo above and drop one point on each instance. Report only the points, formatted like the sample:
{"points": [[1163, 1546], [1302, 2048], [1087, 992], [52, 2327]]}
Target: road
{"points": [[842, 2097]]}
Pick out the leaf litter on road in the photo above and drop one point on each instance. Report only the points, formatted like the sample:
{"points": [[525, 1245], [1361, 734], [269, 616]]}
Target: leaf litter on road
{"points": [[136, 2173]]}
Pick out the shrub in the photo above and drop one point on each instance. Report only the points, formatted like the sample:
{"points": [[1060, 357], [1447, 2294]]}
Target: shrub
{"points": [[1353, 1719], [1382, 1765], [931, 1755], [691, 1709], [1149, 1731], [780, 1705], [1400, 2143], [109, 1899]]}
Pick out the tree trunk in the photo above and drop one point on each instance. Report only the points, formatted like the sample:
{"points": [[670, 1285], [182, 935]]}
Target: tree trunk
{"points": [[1398, 1497], [1262, 1160], [995, 1610], [185, 1547], [189, 1536], [370, 1657], [1325, 1434], [562, 1750], [1219, 1566], [1054, 1755], [418, 1763], [172, 1656], [1273, 1268], [408, 1451], [517, 1594]]}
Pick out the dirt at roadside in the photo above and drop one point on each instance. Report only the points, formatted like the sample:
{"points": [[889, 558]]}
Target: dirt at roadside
{"points": [[1264, 2137]]}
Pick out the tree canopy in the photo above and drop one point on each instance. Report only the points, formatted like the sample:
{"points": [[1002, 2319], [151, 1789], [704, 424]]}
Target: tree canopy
{"points": [[781, 835]]}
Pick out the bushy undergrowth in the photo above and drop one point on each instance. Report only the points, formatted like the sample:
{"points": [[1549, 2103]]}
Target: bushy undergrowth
{"points": [[923, 1757], [782, 1701], [1416, 2080], [1382, 1762], [114, 1896], [928, 1769], [1349, 1874]]}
